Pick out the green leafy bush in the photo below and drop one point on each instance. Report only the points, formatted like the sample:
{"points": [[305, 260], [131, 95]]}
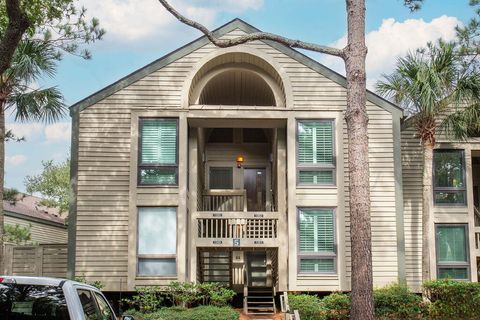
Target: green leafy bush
{"points": [[336, 306], [184, 294], [309, 306], [398, 302], [97, 284], [452, 299], [215, 294], [147, 299], [178, 313]]}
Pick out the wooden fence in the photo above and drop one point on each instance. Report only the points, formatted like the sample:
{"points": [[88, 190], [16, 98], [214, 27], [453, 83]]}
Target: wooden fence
{"points": [[47, 260]]}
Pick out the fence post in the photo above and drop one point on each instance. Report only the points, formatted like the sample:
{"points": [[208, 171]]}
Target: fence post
{"points": [[39, 261], [8, 259]]}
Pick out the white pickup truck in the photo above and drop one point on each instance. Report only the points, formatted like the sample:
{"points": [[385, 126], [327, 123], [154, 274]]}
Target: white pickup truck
{"points": [[38, 298]]}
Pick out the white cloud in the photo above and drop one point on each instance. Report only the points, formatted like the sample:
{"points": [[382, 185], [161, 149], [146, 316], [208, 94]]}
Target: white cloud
{"points": [[27, 130], [136, 20], [394, 39], [58, 132], [16, 160]]}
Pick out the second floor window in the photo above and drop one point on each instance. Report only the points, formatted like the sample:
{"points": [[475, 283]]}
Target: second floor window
{"points": [[315, 152], [158, 156], [449, 177]]}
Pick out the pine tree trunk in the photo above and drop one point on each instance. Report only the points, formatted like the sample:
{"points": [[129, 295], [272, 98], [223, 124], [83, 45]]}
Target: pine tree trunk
{"points": [[357, 121], [426, 204], [2, 174]]}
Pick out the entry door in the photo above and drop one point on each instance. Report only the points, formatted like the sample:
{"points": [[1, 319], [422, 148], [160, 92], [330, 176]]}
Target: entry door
{"points": [[257, 269], [254, 181]]}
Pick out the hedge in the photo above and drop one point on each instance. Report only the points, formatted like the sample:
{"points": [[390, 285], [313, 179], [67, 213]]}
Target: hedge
{"points": [[450, 299], [178, 313]]}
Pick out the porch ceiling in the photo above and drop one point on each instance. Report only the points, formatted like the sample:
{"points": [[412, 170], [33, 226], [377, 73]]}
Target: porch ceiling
{"points": [[236, 123]]}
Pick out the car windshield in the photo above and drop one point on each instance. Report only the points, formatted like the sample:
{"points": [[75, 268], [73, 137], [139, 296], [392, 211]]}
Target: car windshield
{"points": [[28, 302]]}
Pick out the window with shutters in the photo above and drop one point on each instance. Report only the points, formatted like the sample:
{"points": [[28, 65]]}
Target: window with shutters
{"points": [[158, 152], [315, 152], [316, 237], [452, 251]]}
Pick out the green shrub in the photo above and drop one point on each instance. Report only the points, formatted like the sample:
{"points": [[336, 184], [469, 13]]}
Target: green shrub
{"points": [[397, 302], [147, 299], [179, 313], [452, 299], [184, 294], [309, 306], [336, 306], [215, 294]]}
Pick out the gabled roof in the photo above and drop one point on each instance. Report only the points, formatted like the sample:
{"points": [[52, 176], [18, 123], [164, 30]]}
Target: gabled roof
{"points": [[202, 41], [29, 208]]}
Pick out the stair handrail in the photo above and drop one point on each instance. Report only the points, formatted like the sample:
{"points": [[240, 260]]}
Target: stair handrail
{"points": [[285, 308], [245, 289], [476, 211]]}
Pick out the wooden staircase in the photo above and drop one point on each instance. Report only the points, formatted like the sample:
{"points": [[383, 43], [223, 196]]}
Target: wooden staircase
{"points": [[259, 300]]}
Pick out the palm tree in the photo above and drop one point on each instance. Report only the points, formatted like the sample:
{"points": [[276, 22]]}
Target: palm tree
{"points": [[440, 89], [32, 60]]}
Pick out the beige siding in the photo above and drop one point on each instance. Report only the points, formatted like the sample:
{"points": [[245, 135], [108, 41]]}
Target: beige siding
{"points": [[41, 233], [382, 196], [107, 153], [412, 203]]}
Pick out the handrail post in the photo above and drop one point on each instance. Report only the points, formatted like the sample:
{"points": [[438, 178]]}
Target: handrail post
{"points": [[244, 200]]}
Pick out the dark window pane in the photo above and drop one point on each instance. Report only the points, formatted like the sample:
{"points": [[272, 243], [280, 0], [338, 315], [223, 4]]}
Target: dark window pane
{"points": [[254, 135], [453, 273], [221, 178], [450, 197], [448, 169], [451, 244], [89, 306], [105, 311], [165, 176], [221, 135], [28, 302]]}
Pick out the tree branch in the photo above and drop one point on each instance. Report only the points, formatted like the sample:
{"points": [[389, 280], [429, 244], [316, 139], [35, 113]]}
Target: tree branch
{"points": [[17, 25], [252, 36]]}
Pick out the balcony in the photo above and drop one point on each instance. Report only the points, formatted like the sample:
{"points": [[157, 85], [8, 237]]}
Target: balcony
{"points": [[223, 221]]}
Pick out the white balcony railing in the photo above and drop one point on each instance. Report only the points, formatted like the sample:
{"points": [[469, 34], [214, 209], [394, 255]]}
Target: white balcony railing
{"points": [[244, 228], [224, 200]]}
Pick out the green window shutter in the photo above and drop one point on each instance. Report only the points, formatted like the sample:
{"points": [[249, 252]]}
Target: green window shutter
{"points": [[313, 177], [451, 244], [159, 141], [315, 142], [317, 230], [317, 265]]}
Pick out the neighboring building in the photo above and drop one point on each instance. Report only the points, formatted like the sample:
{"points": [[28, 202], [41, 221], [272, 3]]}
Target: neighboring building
{"points": [[230, 165], [46, 224]]}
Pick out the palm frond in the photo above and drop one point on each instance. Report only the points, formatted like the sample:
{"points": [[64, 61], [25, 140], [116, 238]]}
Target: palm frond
{"points": [[33, 58], [463, 123], [44, 105]]}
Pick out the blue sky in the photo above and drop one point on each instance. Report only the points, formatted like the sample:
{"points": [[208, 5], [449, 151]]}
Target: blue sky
{"points": [[140, 31]]}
